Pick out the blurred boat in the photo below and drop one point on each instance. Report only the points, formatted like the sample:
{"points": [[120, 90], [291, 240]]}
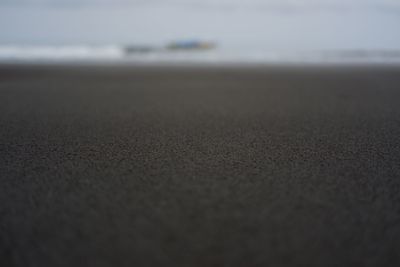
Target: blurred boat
{"points": [[190, 45]]}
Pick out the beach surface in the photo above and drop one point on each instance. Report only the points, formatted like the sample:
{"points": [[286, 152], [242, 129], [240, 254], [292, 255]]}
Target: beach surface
{"points": [[199, 166]]}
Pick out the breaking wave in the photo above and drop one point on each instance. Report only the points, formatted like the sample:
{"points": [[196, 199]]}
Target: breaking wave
{"points": [[115, 53]]}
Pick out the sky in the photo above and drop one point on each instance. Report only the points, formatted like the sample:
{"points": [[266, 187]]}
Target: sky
{"points": [[274, 24]]}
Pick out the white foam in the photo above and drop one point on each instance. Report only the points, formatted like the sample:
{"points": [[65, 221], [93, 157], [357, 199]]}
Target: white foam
{"points": [[32, 53], [220, 55]]}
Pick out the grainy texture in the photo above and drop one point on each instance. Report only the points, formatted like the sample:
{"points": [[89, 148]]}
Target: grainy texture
{"points": [[140, 166]]}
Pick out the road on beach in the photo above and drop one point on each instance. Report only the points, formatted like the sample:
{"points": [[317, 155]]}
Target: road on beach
{"points": [[199, 166]]}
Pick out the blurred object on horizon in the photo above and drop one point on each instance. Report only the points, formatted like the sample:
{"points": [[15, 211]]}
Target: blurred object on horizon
{"points": [[191, 45], [187, 45]]}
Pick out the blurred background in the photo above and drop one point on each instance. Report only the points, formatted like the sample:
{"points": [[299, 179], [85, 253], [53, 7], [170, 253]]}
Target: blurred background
{"points": [[200, 30]]}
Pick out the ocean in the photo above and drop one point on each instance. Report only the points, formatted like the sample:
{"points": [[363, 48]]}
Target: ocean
{"points": [[253, 31], [219, 55]]}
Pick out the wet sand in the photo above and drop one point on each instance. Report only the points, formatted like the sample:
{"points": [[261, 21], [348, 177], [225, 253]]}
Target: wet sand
{"points": [[199, 166]]}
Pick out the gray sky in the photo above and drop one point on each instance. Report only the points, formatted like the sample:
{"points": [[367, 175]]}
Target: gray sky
{"points": [[275, 24]]}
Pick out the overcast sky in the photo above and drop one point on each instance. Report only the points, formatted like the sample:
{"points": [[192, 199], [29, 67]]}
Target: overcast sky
{"points": [[275, 24]]}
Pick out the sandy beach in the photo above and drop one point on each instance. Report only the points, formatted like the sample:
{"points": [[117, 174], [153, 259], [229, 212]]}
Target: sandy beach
{"points": [[199, 166]]}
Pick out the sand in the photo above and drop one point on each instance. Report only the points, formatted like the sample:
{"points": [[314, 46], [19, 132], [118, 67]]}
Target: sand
{"points": [[199, 166]]}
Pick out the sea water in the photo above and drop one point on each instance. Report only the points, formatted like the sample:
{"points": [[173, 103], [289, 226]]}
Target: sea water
{"points": [[252, 31], [117, 53]]}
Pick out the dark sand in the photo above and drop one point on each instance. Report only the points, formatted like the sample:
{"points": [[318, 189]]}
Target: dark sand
{"points": [[141, 166]]}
